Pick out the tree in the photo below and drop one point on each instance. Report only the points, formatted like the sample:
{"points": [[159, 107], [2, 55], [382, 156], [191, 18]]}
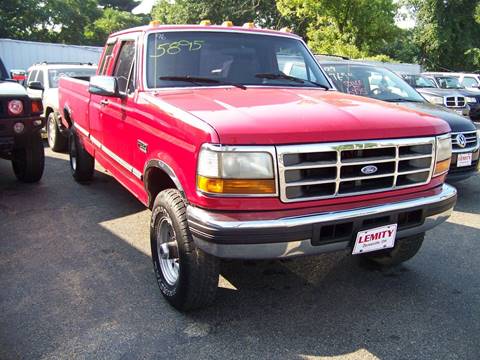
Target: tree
{"points": [[263, 12], [350, 27], [125, 5], [447, 33], [112, 20]]}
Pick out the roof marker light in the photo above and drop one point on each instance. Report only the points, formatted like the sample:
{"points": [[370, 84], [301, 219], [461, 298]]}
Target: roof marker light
{"points": [[155, 23], [227, 23], [249, 25], [286, 29], [205, 23]]}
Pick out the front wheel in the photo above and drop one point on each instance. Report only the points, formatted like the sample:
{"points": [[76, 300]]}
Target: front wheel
{"points": [[187, 276], [404, 250], [56, 140], [82, 163], [28, 161]]}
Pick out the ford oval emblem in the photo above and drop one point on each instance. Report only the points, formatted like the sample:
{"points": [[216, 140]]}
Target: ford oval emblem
{"points": [[461, 140], [369, 169]]}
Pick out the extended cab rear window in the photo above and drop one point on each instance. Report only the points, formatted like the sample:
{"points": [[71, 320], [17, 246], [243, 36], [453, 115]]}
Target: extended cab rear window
{"points": [[228, 56]]}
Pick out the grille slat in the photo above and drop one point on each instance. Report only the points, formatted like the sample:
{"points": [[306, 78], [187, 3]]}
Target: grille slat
{"points": [[471, 142], [394, 164]]}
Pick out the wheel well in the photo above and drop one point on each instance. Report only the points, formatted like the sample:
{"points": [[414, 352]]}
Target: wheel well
{"points": [[68, 119], [157, 180]]}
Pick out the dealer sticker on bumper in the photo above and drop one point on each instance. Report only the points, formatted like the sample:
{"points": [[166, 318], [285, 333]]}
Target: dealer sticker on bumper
{"points": [[382, 237], [464, 159]]}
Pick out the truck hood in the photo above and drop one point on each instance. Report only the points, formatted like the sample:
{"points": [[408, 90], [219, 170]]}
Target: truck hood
{"points": [[457, 122], [289, 115], [438, 91]]}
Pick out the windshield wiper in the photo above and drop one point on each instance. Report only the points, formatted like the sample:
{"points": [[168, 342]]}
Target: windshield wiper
{"points": [[276, 76], [201, 80]]}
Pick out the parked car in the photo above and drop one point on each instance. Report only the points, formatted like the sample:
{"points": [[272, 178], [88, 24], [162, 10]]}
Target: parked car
{"points": [[48, 74], [427, 87], [470, 81], [20, 124], [18, 75], [448, 82], [382, 84], [236, 159]]}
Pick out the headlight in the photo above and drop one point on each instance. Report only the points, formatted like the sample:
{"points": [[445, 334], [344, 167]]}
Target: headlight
{"points": [[443, 154], [234, 170], [437, 100], [471, 99]]}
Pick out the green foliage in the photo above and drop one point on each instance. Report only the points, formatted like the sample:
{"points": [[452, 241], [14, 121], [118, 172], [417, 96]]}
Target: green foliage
{"points": [[447, 33], [262, 12], [125, 5], [111, 21], [346, 27], [65, 21]]}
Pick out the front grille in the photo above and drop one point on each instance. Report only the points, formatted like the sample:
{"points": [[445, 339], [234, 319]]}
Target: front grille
{"points": [[322, 171], [455, 101], [471, 141]]}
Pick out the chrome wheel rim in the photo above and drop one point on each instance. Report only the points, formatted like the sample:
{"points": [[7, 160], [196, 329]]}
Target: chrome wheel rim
{"points": [[51, 131], [73, 155], [167, 250]]}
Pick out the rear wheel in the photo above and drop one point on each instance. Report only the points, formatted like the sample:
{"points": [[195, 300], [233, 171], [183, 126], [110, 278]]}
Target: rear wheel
{"points": [[28, 161], [82, 163], [187, 276], [56, 140], [404, 250]]}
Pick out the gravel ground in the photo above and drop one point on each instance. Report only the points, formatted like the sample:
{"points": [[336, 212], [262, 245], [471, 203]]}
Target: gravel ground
{"points": [[77, 283]]}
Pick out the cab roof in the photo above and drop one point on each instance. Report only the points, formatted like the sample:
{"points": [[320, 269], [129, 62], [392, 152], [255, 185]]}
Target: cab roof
{"points": [[220, 28]]}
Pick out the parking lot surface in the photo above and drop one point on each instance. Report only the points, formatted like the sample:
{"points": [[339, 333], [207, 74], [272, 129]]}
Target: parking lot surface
{"points": [[76, 281]]}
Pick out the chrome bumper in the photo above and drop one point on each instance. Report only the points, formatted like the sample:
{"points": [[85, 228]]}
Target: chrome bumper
{"points": [[221, 235]]}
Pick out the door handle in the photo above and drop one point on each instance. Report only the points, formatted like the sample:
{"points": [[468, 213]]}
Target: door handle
{"points": [[104, 102]]}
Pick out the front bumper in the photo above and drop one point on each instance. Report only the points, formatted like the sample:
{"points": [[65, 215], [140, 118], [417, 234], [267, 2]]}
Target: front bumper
{"points": [[9, 138], [221, 235], [456, 173]]}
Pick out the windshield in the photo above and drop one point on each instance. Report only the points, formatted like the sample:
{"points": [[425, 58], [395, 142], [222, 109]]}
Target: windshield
{"points": [[55, 74], [228, 57], [448, 82], [374, 82], [419, 81]]}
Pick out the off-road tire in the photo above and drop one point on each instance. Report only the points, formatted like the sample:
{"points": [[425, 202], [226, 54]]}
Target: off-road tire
{"points": [[56, 140], [28, 161], [404, 250], [197, 281], [82, 164]]}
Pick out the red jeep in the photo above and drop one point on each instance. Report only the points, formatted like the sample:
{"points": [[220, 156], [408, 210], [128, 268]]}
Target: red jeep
{"points": [[241, 147]]}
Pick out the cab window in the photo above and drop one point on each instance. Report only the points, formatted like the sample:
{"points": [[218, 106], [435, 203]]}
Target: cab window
{"points": [[108, 54], [124, 65], [469, 82], [40, 77], [31, 76]]}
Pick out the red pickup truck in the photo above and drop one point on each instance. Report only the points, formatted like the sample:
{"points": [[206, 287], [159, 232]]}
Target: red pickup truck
{"points": [[242, 148]]}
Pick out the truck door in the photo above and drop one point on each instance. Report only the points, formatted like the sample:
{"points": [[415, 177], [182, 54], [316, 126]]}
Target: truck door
{"points": [[116, 113]]}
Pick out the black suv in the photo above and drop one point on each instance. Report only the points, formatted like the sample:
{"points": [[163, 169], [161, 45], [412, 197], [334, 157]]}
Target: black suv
{"points": [[20, 124], [382, 84]]}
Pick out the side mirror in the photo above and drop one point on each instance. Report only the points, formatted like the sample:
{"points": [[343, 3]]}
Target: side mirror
{"points": [[35, 85], [104, 85]]}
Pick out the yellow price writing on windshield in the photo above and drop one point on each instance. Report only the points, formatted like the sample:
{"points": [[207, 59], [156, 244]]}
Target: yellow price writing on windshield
{"points": [[173, 48]]}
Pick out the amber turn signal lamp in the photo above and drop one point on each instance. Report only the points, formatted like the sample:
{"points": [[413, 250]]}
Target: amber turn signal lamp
{"points": [[235, 186], [441, 167]]}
